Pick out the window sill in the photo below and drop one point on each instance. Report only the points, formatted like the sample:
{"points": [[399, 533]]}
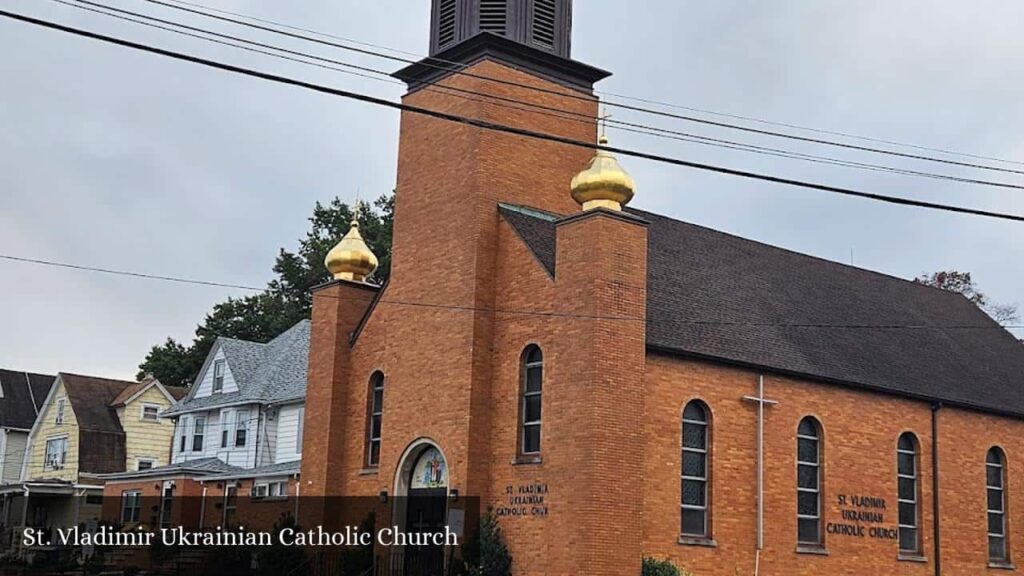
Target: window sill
{"points": [[369, 471], [812, 550], [1001, 566], [911, 558], [259, 499], [697, 541], [527, 460]]}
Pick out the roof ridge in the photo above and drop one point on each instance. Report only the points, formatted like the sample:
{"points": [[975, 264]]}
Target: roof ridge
{"points": [[789, 250]]}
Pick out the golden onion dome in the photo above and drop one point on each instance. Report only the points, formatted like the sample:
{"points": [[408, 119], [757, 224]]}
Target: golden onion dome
{"points": [[603, 184], [351, 259]]}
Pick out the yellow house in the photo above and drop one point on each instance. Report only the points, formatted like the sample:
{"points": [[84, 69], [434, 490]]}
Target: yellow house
{"points": [[89, 426], [86, 427]]}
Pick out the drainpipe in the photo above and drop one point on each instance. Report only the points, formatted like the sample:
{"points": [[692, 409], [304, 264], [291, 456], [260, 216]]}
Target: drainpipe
{"points": [[936, 526], [298, 492], [202, 508]]}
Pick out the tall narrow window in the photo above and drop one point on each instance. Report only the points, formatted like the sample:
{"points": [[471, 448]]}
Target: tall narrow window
{"points": [[183, 425], [198, 433], [241, 427], [995, 473], [227, 424], [218, 376], [59, 418], [695, 505], [808, 491], [907, 493], [376, 419], [530, 409]]}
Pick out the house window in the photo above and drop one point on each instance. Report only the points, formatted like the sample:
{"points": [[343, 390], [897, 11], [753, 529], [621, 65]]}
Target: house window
{"points": [[375, 421], [131, 506], [995, 474], [183, 442], [56, 454], [302, 425], [696, 470], [907, 493], [59, 419], [241, 427], [150, 412], [145, 464], [276, 489], [227, 424], [198, 433], [808, 491], [530, 407], [218, 376]]}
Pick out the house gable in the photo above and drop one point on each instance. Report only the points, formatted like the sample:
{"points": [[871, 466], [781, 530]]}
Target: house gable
{"points": [[147, 439], [47, 428]]}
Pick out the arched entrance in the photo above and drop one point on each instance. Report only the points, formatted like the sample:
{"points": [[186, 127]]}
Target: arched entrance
{"points": [[421, 507]]}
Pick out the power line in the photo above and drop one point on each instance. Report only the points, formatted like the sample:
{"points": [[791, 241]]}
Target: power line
{"points": [[496, 127], [133, 17], [626, 97], [540, 313], [458, 68]]}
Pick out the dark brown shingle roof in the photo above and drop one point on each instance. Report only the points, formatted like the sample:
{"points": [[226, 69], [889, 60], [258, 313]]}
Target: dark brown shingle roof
{"points": [[717, 296]]}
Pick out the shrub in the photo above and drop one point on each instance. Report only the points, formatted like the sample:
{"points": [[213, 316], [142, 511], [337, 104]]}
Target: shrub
{"points": [[486, 553], [655, 567]]}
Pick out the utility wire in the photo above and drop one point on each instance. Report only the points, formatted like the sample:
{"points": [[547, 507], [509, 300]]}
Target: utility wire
{"points": [[541, 313], [496, 127], [148, 20], [439, 65], [623, 96]]}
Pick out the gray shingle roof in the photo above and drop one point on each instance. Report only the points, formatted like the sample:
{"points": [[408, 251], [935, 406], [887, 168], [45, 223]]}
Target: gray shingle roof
{"points": [[23, 394], [265, 373], [279, 469], [199, 467], [717, 296]]}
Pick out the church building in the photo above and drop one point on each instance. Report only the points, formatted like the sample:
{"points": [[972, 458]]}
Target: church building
{"points": [[618, 384]]}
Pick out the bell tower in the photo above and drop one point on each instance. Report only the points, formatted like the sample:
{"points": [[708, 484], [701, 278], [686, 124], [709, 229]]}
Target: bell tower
{"points": [[542, 24]]}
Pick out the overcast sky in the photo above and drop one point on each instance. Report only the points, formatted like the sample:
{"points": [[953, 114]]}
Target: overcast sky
{"points": [[125, 160]]}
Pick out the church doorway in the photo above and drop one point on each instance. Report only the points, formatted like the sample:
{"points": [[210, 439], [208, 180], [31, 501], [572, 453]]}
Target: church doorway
{"points": [[422, 508]]}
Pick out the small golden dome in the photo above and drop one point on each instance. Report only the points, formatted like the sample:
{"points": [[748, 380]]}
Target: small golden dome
{"points": [[603, 184], [351, 259]]}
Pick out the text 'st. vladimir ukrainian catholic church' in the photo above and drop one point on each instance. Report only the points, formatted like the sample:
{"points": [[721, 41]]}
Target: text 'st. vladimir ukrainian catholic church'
{"points": [[618, 384]]}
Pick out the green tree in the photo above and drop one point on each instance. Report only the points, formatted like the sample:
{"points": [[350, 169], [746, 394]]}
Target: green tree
{"points": [[261, 317], [962, 283]]}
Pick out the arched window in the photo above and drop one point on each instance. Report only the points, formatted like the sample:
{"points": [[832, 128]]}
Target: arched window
{"points": [[995, 473], [696, 506], [907, 471], [375, 415], [808, 490], [530, 407]]}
